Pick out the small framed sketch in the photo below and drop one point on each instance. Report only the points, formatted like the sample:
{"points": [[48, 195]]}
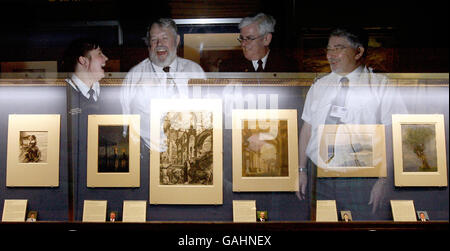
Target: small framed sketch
{"points": [[32, 216], [346, 216], [350, 150], [113, 151], [186, 152], [262, 216], [419, 150], [422, 216], [33, 150], [265, 150]]}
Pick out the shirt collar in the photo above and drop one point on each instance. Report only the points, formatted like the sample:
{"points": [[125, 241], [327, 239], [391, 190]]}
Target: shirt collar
{"points": [[353, 76], [80, 86], [264, 60]]}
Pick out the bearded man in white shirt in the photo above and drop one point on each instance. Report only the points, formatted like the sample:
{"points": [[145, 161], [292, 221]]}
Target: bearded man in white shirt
{"points": [[162, 75], [351, 94]]}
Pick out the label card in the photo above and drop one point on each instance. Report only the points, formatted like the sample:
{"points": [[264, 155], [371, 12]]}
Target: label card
{"points": [[94, 211], [403, 210], [326, 211], [14, 210], [244, 211], [134, 210]]}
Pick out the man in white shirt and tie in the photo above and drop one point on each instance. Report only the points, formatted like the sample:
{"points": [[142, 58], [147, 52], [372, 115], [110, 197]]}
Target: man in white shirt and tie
{"points": [[162, 75], [350, 94]]}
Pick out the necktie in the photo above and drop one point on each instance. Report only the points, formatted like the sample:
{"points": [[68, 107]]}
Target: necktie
{"points": [[339, 101], [91, 93], [166, 69], [260, 66]]}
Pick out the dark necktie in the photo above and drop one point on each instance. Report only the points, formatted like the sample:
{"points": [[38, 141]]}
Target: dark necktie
{"points": [[91, 93], [339, 101], [166, 69], [260, 66]]}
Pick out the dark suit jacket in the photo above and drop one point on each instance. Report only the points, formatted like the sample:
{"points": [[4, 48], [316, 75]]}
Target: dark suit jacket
{"points": [[276, 62]]}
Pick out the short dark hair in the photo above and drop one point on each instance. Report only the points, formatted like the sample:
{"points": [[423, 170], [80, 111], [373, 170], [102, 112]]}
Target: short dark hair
{"points": [[77, 48], [357, 36]]}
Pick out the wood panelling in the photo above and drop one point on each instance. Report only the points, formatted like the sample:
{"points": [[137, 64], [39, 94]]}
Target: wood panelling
{"points": [[213, 8]]}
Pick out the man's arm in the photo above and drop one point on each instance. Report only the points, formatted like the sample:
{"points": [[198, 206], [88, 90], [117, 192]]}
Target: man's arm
{"points": [[305, 135]]}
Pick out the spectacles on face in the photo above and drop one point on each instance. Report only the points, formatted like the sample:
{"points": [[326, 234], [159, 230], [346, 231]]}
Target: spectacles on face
{"points": [[336, 49], [242, 39]]}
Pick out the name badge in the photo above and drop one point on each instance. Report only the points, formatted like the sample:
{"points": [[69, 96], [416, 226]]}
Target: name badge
{"points": [[338, 111]]}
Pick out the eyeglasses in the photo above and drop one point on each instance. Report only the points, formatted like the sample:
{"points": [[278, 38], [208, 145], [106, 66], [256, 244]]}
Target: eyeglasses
{"points": [[336, 49], [242, 39]]}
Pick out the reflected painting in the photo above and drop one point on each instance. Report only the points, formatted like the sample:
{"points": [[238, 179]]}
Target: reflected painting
{"points": [[33, 147], [349, 150], [419, 148], [265, 148], [186, 156], [113, 149]]}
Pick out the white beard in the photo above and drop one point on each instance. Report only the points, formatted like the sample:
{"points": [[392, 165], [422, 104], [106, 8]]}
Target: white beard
{"points": [[169, 59]]}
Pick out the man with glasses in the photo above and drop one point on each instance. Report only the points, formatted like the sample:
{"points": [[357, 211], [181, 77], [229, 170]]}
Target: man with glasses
{"points": [[351, 94], [255, 38]]}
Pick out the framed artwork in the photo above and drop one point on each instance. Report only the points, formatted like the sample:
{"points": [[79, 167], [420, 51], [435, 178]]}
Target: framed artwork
{"points": [[32, 216], [346, 216], [186, 151], [113, 151], [419, 150], [33, 150], [265, 150], [422, 216], [350, 150]]}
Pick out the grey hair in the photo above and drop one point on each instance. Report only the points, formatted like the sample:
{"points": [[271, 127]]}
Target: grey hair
{"points": [[163, 23], [357, 36], [266, 23]]}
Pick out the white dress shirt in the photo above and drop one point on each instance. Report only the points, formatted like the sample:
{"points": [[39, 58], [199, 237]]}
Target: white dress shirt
{"points": [[371, 99], [147, 80]]}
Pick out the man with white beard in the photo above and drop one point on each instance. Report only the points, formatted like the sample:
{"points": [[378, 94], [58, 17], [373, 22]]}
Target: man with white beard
{"points": [[162, 75]]}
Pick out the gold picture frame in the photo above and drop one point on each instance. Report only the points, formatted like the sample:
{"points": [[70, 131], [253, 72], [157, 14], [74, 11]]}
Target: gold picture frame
{"points": [[419, 150], [351, 150], [186, 151], [265, 150], [113, 151], [33, 150]]}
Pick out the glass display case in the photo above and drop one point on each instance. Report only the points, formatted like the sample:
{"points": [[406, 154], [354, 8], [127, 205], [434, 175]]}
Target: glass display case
{"points": [[231, 137]]}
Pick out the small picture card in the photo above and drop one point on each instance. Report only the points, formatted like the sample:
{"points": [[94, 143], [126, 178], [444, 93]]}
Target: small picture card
{"points": [[94, 211], [346, 216], [403, 210], [326, 211], [244, 211], [134, 210], [14, 210], [262, 216], [113, 216], [32, 216], [422, 216]]}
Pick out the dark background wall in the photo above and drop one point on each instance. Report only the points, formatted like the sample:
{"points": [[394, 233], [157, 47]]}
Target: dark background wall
{"points": [[405, 38]]}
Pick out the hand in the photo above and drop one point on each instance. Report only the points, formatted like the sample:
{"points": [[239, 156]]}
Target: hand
{"points": [[302, 182], [377, 194]]}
